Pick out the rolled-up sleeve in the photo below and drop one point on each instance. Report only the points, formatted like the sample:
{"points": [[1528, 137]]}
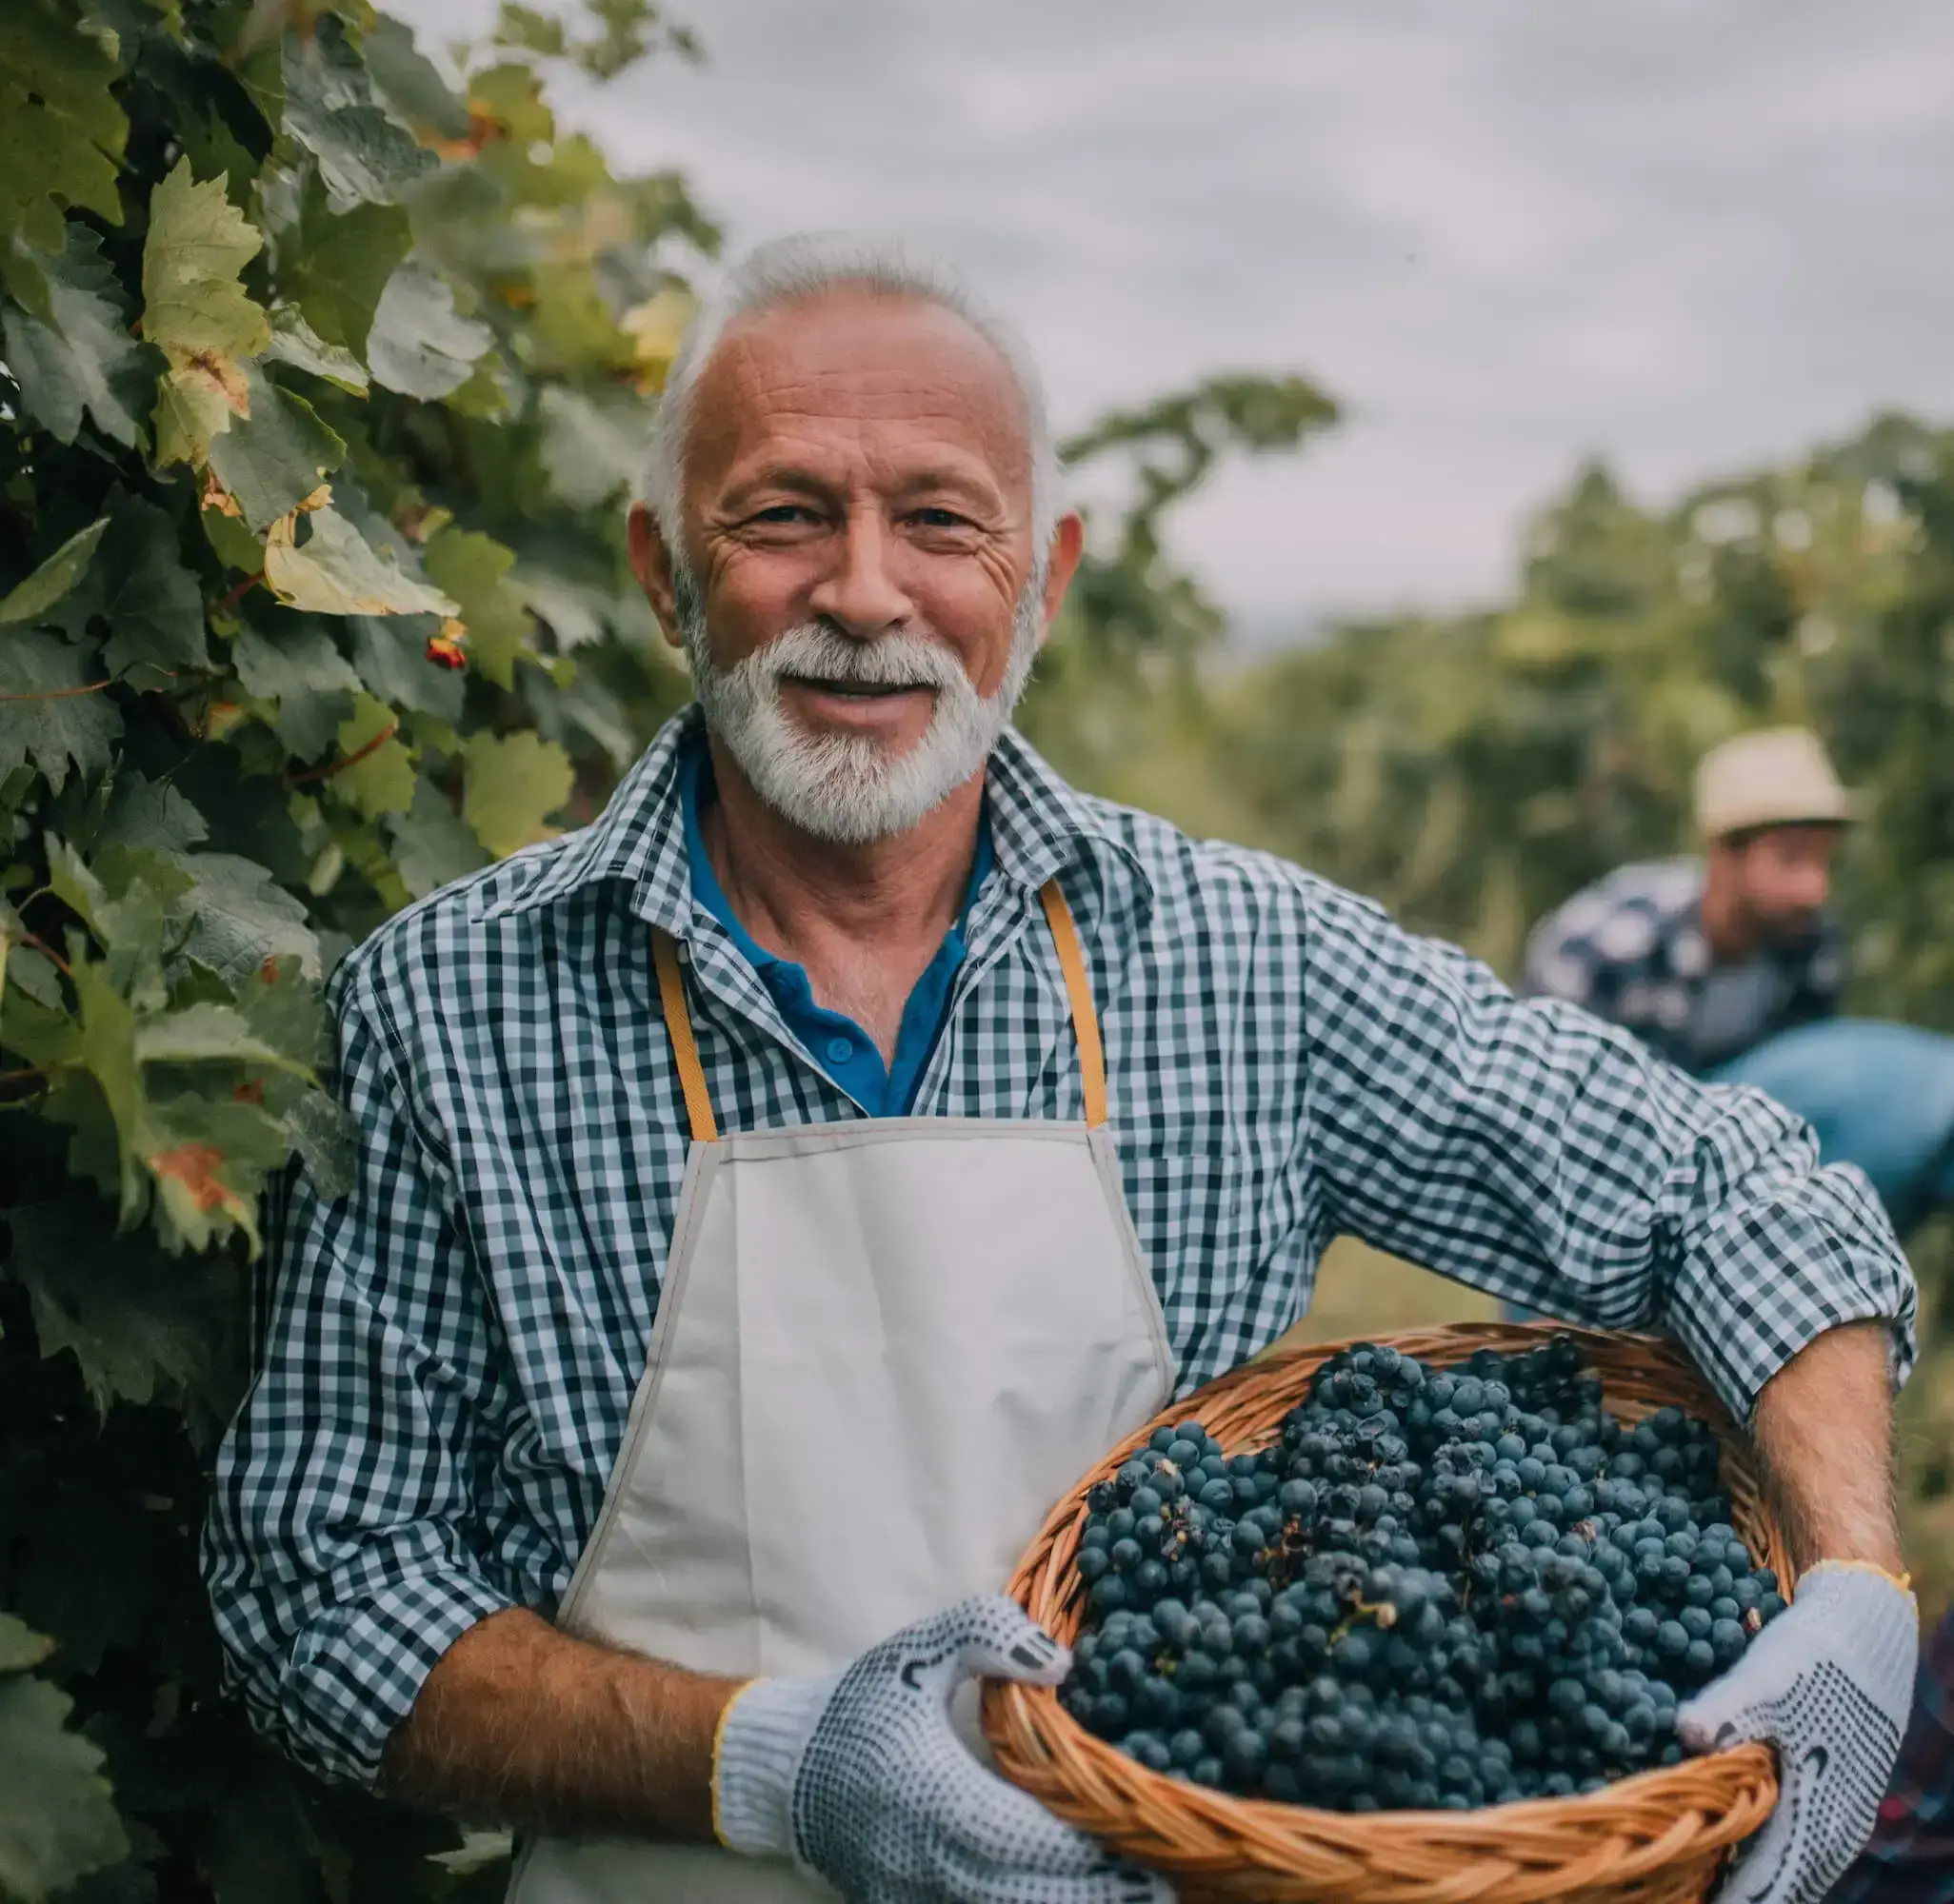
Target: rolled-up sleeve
{"points": [[1528, 1149], [339, 1552]]}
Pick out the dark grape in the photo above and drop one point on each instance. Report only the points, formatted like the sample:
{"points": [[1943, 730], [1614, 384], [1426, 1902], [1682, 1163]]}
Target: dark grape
{"points": [[1435, 1588]]}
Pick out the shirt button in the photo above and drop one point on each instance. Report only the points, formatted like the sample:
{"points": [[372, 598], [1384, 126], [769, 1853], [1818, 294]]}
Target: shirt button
{"points": [[840, 1050]]}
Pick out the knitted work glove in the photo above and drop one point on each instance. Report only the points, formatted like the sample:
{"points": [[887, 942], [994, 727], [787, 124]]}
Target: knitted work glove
{"points": [[1828, 1683], [861, 1780]]}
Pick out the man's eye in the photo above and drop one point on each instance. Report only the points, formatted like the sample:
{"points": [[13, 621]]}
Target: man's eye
{"points": [[940, 519], [783, 512]]}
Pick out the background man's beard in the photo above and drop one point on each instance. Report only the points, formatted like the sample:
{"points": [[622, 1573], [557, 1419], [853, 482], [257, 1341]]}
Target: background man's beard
{"points": [[851, 788]]}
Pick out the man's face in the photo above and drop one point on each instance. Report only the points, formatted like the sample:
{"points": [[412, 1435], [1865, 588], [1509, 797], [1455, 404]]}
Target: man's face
{"points": [[860, 590], [1784, 877]]}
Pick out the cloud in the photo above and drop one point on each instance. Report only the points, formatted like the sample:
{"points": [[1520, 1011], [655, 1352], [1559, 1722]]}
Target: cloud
{"points": [[1508, 236]]}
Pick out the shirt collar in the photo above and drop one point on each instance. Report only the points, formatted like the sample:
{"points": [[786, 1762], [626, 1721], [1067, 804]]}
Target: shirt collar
{"points": [[1040, 826]]}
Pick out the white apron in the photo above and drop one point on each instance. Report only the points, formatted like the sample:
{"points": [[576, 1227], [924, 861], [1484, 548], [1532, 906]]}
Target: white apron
{"points": [[884, 1348]]}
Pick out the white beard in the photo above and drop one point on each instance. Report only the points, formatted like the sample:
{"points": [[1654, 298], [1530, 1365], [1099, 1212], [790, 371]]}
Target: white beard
{"points": [[851, 788]]}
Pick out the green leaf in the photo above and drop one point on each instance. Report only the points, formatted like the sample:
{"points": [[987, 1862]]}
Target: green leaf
{"points": [[21, 1648], [61, 130], [235, 917], [382, 779], [432, 845], [196, 312], [334, 269], [474, 569], [420, 344], [280, 1004], [48, 713], [208, 1034], [125, 897], [274, 456], [55, 579], [148, 815], [107, 1055], [390, 652], [150, 602], [365, 154], [294, 342], [300, 670], [327, 1138], [411, 82], [141, 1327], [209, 1160], [76, 357], [512, 784], [58, 1821], [592, 451], [337, 572]]}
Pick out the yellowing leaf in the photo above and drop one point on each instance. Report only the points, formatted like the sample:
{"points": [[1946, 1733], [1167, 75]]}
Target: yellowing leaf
{"points": [[197, 312], [511, 784], [655, 327], [338, 572]]}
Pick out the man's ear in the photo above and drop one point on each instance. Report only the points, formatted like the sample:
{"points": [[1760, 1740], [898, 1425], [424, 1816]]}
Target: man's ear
{"points": [[651, 564], [1067, 545]]}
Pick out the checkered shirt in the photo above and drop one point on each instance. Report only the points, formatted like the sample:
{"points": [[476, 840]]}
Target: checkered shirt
{"points": [[449, 1351], [1910, 1859], [1632, 950]]}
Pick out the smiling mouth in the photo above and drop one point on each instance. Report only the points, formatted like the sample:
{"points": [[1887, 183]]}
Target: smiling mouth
{"points": [[860, 690]]}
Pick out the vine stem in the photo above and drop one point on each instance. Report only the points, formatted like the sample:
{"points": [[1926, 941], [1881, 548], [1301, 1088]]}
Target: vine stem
{"points": [[231, 597], [60, 693], [352, 760]]}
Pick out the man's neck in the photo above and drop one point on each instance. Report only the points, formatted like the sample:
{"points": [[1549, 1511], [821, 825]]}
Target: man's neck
{"points": [[865, 921]]}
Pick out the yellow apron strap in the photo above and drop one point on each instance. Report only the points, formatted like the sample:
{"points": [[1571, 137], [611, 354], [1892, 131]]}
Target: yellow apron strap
{"points": [[684, 1047], [1064, 934]]}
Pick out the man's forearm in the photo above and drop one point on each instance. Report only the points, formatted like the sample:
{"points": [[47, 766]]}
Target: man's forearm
{"points": [[519, 1724], [1824, 1430]]}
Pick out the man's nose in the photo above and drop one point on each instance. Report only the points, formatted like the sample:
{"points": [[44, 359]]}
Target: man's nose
{"points": [[861, 595]]}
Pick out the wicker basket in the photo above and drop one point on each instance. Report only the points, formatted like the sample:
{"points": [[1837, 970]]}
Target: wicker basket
{"points": [[1658, 1838]]}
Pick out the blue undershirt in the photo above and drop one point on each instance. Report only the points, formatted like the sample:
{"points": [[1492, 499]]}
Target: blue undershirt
{"points": [[835, 1042]]}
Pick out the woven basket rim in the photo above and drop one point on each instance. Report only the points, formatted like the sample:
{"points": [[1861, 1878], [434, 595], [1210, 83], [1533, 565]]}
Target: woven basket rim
{"points": [[1628, 1839]]}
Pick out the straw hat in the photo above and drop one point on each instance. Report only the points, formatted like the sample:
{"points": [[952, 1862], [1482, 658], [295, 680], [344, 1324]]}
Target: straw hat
{"points": [[1775, 777]]}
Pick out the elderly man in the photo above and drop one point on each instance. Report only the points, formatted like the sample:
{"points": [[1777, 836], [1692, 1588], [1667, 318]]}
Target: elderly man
{"points": [[774, 1194]]}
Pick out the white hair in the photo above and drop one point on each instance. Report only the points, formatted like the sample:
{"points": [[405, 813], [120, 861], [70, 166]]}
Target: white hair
{"points": [[793, 270]]}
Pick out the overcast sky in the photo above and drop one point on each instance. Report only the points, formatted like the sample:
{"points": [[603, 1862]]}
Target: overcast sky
{"points": [[1505, 236]]}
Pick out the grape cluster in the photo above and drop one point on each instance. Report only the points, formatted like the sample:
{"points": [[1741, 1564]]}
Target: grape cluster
{"points": [[1437, 1587]]}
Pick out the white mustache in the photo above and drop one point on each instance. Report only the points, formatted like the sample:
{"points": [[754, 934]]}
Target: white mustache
{"points": [[816, 652]]}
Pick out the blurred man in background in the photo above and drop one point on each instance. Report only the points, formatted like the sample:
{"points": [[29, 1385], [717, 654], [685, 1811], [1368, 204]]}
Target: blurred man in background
{"points": [[1732, 967]]}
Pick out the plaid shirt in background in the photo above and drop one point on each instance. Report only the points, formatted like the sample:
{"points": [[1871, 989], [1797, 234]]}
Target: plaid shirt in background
{"points": [[1631, 948], [1911, 1857], [451, 1348]]}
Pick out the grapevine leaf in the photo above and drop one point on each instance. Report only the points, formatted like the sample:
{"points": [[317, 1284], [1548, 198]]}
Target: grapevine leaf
{"points": [[125, 899], [150, 602], [58, 1822], [33, 972], [77, 358], [294, 342], [411, 81], [107, 1055], [338, 573], [235, 916], [55, 579], [591, 452], [149, 816], [326, 1139], [208, 1034], [48, 711], [305, 674], [61, 130], [512, 784], [334, 269], [390, 652], [281, 1005], [210, 1156], [420, 344], [432, 845], [21, 1648], [474, 569], [365, 154], [381, 778], [197, 314], [583, 707], [140, 1327], [272, 457]]}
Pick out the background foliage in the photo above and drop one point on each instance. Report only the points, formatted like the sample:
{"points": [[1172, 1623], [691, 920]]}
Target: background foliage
{"points": [[322, 385]]}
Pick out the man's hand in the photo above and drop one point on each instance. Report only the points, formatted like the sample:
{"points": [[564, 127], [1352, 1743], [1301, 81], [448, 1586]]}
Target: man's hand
{"points": [[1828, 1683], [861, 1780]]}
